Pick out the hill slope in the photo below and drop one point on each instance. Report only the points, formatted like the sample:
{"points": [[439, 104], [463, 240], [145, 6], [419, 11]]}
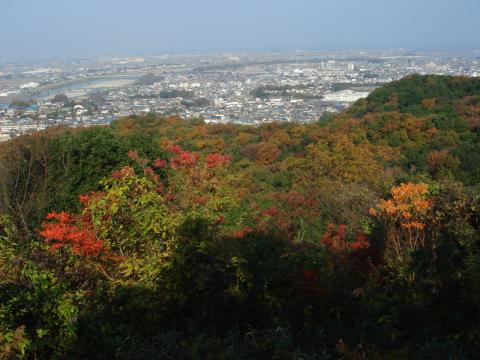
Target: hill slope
{"points": [[166, 238]]}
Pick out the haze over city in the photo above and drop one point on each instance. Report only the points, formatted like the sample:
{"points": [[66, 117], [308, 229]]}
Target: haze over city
{"points": [[32, 29]]}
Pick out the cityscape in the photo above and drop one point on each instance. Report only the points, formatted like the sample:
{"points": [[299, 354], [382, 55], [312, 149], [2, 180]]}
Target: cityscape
{"points": [[244, 88]]}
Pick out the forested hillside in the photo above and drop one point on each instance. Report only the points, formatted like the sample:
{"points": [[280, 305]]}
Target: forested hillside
{"points": [[357, 237]]}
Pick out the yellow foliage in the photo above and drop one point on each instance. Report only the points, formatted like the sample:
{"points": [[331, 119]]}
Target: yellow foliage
{"points": [[243, 138], [405, 216], [281, 137]]}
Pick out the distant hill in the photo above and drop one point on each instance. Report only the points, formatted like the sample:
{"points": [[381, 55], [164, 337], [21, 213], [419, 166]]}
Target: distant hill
{"points": [[148, 79], [433, 121], [414, 94]]}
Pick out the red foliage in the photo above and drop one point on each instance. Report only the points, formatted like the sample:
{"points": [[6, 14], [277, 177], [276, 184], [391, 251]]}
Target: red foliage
{"points": [[117, 174], [61, 216], [220, 220], [216, 160], [361, 242], [170, 196], [160, 163], [71, 232], [132, 154], [148, 171], [126, 171], [86, 198], [184, 159], [160, 188], [335, 240], [271, 211], [241, 233], [174, 149]]}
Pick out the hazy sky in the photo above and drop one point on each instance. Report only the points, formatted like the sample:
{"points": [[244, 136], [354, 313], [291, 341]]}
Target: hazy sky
{"points": [[67, 28]]}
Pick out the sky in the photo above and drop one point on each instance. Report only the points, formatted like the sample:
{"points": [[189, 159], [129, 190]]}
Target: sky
{"points": [[49, 29]]}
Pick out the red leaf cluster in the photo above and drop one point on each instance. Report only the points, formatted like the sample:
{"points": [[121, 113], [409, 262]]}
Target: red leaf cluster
{"points": [[132, 154], [85, 199], [174, 149], [271, 211], [216, 160], [126, 171], [242, 233], [148, 171], [69, 231], [159, 163], [220, 220], [334, 239], [184, 159], [361, 242]]}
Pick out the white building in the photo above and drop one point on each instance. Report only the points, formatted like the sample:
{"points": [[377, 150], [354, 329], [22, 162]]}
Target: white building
{"points": [[345, 96], [30, 85]]}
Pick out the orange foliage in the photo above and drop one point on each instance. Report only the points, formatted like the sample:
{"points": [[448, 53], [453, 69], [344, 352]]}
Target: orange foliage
{"points": [[267, 153], [429, 103], [63, 230], [405, 216], [435, 157], [174, 119], [215, 160], [281, 137]]}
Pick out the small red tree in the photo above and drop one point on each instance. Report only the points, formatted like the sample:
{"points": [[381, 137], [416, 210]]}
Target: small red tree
{"points": [[335, 239], [64, 230]]}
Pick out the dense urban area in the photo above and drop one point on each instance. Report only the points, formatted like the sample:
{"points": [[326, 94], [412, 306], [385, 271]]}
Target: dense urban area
{"points": [[244, 88]]}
